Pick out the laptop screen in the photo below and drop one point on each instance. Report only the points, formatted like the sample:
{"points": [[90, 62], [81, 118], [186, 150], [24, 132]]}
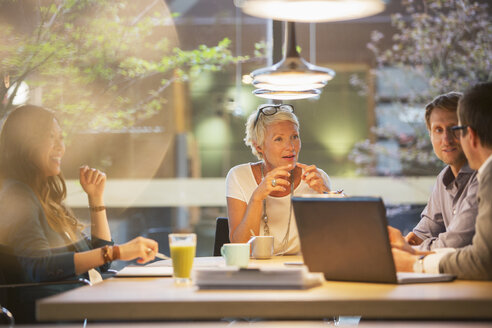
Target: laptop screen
{"points": [[345, 238]]}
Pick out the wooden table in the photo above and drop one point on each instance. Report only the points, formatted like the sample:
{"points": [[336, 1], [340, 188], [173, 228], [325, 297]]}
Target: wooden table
{"points": [[160, 299]]}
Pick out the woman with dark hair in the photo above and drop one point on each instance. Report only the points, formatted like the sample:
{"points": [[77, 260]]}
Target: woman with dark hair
{"points": [[35, 223]]}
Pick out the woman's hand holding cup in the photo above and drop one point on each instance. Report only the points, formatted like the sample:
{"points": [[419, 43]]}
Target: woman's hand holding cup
{"points": [[277, 180]]}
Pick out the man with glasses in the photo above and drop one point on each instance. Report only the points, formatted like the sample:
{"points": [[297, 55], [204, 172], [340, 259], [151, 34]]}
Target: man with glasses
{"points": [[448, 220], [473, 261]]}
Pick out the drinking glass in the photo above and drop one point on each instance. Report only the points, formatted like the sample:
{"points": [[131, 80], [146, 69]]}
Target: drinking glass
{"points": [[183, 247]]}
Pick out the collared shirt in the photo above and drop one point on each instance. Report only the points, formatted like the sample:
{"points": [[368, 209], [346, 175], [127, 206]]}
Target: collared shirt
{"points": [[448, 220], [431, 261], [484, 165]]}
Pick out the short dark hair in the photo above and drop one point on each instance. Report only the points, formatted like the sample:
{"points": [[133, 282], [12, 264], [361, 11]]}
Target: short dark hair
{"points": [[448, 101], [475, 110]]}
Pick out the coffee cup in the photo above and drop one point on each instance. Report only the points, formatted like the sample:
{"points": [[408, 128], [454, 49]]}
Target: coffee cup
{"points": [[236, 254], [261, 247]]}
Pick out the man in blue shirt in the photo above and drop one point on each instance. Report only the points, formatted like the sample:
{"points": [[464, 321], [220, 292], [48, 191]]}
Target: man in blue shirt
{"points": [[448, 220]]}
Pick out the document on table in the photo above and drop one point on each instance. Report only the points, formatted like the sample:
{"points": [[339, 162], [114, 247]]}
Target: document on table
{"points": [[412, 277], [198, 262], [145, 271], [257, 278]]}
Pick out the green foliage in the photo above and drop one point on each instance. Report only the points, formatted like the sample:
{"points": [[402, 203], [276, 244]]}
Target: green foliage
{"points": [[447, 42], [446, 45], [101, 64]]}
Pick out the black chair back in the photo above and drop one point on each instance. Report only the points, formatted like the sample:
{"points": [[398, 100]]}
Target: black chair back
{"points": [[20, 297], [10, 274], [221, 234], [4, 263], [10, 268]]}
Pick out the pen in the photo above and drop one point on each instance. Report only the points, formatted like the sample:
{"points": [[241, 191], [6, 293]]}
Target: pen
{"points": [[158, 255], [162, 256], [338, 192]]}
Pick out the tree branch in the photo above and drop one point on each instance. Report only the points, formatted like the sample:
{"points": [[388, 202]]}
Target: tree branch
{"points": [[145, 11]]}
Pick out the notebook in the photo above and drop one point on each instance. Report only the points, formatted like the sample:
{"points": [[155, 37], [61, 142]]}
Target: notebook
{"points": [[145, 271], [256, 278], [347, 239]]}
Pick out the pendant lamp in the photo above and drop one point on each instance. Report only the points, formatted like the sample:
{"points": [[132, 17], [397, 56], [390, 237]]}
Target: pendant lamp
{"points": [[292, 77], [297, 87], [311, 10], [286, 95]]}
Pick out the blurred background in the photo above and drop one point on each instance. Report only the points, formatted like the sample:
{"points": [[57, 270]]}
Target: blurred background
{"points": [[156, 93]]}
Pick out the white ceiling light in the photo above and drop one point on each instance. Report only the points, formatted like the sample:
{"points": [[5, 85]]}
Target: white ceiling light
{"points": [[292, 70], [311, 10], [292, 75], [287, 87], [286, 95]]}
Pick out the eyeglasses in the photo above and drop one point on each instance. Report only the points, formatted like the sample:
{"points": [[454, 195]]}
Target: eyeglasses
{"points": [[269, 110], [456, 130]]}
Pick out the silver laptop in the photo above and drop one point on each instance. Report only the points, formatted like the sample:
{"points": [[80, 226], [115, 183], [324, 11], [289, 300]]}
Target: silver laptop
{"points": [[347, 239]]}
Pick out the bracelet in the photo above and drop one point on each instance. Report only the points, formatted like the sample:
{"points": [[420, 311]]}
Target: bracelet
{"points": [[116, 252], [105, 253], [97, 208]]}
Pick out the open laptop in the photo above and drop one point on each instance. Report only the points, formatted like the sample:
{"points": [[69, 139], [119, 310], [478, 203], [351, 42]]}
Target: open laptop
{"points": [[347, 239]]}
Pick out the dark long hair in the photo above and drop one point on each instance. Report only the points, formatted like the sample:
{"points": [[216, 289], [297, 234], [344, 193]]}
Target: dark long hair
{"points": [[22, 134]]}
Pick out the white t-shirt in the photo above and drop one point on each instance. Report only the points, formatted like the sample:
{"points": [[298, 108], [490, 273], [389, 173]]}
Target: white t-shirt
{"points": [[241, 183]]}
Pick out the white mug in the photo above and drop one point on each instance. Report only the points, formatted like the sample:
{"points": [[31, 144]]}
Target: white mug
{"points": [[261, 247], [236, 254]]}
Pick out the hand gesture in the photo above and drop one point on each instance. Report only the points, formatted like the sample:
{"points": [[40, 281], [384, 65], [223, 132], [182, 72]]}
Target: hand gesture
{"points": [[313, 178], [413, 239], [140, 248], [397, 241], [403, 260], [277, 179], [93, 182]]}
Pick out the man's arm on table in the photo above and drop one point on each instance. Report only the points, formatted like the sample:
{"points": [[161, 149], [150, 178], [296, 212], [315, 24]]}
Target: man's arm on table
{"points": [[405, 255], [475, 261], [413, 239]]}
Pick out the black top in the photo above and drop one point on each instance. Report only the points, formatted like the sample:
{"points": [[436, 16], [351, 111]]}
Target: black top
{"points": [[44, 254]]}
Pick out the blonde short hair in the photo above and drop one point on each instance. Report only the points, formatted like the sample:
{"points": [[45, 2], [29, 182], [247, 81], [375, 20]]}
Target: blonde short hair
{"points": [[255, 135]]}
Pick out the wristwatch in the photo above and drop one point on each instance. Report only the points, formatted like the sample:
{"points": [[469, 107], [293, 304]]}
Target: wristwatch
{"points": [[418, 266]]}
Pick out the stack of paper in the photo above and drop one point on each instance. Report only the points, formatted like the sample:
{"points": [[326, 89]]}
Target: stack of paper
{"points": [[164, 268], [206, 261], [145, 271], [257, 278]]}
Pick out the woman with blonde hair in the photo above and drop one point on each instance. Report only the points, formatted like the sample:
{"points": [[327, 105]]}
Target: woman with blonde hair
{"points": [[259, 194], [35, 223]]}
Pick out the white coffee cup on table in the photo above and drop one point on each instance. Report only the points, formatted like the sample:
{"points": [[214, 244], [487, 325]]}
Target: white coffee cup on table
{"points": [[236, 254], [261, 247]]}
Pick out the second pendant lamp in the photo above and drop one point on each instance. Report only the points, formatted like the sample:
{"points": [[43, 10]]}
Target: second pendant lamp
{"points": [[292, 77]]}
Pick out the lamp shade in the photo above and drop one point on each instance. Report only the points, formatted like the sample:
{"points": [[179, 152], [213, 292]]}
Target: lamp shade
{"points": [[292, 70], [286, 95], [311, 10], [288, 87]]}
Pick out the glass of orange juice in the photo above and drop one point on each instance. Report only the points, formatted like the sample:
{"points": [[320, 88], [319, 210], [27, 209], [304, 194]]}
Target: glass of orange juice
{"points": [[183, 247]]}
